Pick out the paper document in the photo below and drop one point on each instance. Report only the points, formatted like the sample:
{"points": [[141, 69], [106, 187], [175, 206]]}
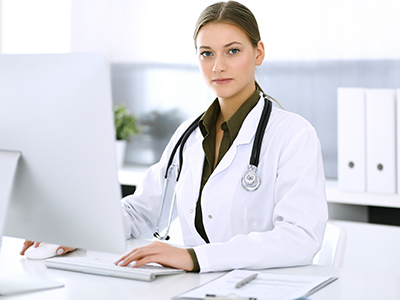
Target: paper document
{"points": [[265, 286]]}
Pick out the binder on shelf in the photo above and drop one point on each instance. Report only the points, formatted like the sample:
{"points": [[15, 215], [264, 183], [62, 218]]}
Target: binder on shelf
{"points": [[381, 140], [398, 139], [351, 139]]}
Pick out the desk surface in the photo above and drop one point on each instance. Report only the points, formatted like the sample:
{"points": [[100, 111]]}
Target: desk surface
{"points": [[350, 285]]}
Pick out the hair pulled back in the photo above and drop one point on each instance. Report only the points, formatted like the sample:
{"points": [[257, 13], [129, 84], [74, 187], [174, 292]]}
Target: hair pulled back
{"points": [[230, 12]]}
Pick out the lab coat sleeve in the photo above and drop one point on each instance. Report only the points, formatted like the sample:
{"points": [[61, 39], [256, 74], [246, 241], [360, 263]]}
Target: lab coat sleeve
{"points": [[140, 210], [299, 216]]}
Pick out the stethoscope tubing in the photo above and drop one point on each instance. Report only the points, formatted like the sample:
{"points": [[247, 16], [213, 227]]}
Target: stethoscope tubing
{"points": [[251, 174], [256, 149], [262, 125], [182, 140], [167, 180]]}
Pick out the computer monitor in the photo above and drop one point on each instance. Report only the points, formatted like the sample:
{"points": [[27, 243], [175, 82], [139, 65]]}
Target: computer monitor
{"points": [[56, 113]]}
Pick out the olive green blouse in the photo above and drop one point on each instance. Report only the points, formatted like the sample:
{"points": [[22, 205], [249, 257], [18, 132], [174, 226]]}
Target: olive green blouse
{"points": [[231, 129]]}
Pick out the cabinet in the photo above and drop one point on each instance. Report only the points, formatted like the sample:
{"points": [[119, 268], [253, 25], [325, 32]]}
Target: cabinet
{"points": [[334, 195], [368, 207]]}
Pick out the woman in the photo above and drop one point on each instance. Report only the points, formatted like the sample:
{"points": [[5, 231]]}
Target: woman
{"points": [[223, 225], [283, 221]]}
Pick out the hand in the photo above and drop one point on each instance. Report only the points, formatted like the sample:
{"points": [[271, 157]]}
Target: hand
{"points": [[158, 252], [60, 250]]}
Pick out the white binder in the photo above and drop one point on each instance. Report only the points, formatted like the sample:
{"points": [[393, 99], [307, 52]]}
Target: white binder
{"points": [[381, 140], [351, 139], [398, 139]]}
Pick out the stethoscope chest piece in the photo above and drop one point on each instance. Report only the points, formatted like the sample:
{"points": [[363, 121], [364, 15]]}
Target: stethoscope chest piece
{"points": [[250, 180]]}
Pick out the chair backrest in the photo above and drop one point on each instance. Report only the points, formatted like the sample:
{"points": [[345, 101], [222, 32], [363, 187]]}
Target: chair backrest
{"points": [[333, 247]]}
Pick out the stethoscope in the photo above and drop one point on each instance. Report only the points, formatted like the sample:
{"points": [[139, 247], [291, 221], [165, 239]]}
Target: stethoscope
{"points": [[250, 180]]}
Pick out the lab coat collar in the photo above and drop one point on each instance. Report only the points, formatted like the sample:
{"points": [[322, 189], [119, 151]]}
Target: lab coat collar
{"points": [[249, 126], [194, 151], [245, 136]]}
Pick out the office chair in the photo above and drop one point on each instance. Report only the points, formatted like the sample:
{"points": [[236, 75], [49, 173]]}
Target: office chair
{"points": [[333, 247]]}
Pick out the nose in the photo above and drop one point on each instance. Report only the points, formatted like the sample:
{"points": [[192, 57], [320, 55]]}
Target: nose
{"points": [[219, 65]]}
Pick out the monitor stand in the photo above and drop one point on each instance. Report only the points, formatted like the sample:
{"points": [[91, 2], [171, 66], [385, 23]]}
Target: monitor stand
{"points": [[8, 166], [10, 283]]}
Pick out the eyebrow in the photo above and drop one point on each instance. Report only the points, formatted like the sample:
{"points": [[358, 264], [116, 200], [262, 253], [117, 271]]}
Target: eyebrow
{"points": [[226, 46], [232, 43]]}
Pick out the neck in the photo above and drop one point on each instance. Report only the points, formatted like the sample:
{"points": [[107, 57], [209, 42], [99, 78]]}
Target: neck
{"points": [[230, 105]]}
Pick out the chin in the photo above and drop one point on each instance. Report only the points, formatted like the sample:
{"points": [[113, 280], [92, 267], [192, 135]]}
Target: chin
{"points": [[220, 93]]}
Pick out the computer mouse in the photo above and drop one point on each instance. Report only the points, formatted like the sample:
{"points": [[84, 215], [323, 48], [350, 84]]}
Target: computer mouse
{"points": [[44, 251]]}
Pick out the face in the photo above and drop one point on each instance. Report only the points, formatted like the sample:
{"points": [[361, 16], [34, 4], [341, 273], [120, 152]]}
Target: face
{"points": [[228, 60]]}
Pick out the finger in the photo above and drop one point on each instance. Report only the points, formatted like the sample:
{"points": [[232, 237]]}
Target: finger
{"points": [[136, 254], [153, 252], [122, 259], [26, 246], [128, 259], [63, 250], [134, 262], [141, 262], [163, 258], [169, 256]]}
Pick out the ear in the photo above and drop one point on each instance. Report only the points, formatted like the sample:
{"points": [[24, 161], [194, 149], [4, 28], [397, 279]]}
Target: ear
{"points": [[260, 53]]}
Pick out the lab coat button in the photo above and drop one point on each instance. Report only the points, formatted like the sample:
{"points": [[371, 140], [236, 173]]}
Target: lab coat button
{"points": [[191, 211], [210, 216]]}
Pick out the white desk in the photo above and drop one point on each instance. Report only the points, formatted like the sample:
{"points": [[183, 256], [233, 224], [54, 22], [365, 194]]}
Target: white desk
{"points": [[350, 285]]}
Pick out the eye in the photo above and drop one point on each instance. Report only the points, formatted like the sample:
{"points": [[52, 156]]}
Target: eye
{"points": [[233, 51], [206, 53]]}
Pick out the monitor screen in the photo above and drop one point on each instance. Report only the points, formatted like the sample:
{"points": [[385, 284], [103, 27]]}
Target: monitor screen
{"points": [[56, 112]]}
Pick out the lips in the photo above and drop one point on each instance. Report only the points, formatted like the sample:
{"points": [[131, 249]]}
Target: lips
{"points": [[222, 80]]}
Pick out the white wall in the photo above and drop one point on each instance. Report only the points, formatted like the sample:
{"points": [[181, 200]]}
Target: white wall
{"points": [[161, 31], [1, 18], [40, 26]]}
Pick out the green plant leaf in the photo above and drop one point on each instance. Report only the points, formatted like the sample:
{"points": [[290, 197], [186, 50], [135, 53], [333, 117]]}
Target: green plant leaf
{"points": [[125, 123]]}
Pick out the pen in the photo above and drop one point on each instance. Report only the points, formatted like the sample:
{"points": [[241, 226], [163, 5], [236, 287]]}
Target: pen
{"points": [[220, 297], [246, 280]]}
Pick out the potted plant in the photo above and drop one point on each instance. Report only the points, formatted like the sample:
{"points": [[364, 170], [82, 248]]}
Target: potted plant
{"points": [[125, 127]]}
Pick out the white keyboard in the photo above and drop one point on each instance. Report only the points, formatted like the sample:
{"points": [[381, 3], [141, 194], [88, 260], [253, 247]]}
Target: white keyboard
{"points": [[98, 266]]}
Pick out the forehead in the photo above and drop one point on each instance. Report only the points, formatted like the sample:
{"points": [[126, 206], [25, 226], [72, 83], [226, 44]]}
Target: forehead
{"points": [[220, 34]]}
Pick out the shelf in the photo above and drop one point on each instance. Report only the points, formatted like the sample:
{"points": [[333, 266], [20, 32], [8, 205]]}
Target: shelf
{"points": [[133, 175], [334, 195]]}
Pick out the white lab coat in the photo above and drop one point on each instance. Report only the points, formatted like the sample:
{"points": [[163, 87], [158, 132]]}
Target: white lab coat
{"points": [[280, 224]]}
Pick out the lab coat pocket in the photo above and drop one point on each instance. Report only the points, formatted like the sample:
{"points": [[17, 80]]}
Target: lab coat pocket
{"points": [[252, 211]]}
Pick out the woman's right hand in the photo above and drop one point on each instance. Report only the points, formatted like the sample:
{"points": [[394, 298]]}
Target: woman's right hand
{"points": [[60, 250]]}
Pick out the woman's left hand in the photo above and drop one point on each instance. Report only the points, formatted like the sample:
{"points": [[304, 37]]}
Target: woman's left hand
{"points": [[158, 252]]}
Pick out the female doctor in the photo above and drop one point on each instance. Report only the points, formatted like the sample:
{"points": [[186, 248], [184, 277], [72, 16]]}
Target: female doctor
{"points": [[225, 226]]}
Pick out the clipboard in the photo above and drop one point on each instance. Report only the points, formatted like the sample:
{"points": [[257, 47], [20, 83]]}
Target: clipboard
{"points": [[266, 286]]}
